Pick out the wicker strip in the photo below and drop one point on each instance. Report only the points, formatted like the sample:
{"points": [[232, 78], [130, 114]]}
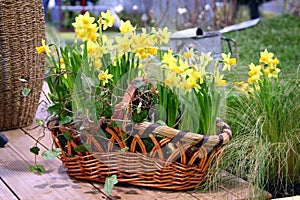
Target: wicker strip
{"points": [[22, 27]]}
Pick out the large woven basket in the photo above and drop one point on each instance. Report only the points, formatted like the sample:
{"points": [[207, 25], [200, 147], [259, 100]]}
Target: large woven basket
{"points": [[22, 28], [157, 156]]}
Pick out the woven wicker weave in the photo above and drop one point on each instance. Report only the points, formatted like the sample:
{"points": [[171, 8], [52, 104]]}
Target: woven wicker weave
{"points": [[22, 28], [158, 156]]}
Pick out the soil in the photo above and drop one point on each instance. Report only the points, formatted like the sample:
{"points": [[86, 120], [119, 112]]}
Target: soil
{"points": [[292, 190]]}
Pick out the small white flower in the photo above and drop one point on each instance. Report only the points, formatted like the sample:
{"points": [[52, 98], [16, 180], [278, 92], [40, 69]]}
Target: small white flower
{"points": [[207, 7], [144, 17], [134, 7], [201, 15], [181, 10], [118, 8]]}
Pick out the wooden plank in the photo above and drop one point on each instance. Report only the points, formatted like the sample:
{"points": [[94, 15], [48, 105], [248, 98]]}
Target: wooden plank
{"points": [[127, 192], [119, 192], [5, 193], [54, 184]]}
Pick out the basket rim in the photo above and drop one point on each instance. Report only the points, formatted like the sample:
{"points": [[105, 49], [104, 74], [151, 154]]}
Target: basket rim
{"points": [[194, 139]]}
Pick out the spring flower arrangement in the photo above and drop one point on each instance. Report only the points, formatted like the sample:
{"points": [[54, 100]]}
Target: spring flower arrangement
{"points": [[89, 78], [185, 86]]}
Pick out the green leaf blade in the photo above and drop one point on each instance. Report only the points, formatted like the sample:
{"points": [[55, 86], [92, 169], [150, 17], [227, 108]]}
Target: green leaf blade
{"points": [[109, 184]]}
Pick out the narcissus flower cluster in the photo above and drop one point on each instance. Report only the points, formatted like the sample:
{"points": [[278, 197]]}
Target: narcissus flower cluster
{"points": [[189, 71], [266, 70]]}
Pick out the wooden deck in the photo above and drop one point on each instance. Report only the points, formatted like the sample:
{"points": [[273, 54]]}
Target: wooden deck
{"points": [[17, 182]]}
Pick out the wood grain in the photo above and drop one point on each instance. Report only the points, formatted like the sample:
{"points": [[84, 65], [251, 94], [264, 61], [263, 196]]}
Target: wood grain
{"points": [[5, 193], [54, 184]]}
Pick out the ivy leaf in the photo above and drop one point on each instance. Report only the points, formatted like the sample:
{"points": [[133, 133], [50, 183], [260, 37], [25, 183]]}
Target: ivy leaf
{"points": [[65, 120], [35, 150], [54, 109], [68, 136], [124, 149], [51, 154], [38, 169], [25, 91], [109, 184], [83, 148], [39, 122]]}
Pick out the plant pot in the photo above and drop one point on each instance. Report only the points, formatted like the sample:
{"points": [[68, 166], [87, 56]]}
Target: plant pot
{"points": [[22, 28]]}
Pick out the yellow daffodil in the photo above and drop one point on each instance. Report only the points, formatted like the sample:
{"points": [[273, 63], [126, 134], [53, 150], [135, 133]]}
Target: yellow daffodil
{"points": [[63, 67], [189, 54], [255, 71], [192, 82], [104, 76], [108, 43], [179, 69], [169, 82], [43, 48], [141, 53], [85, 28], [219, 79], [272, 72], [162, 35], [189, 84], [244, 87], [266, 57], [126, 27], [275, 61], [98, 64], [253, 79], [256, 86], [168, 58], [107, 20], [152, 50], [91, 47], [227, 61], [139, 42], [171, 79], [204, 59], [83, 20], [123, 44]]}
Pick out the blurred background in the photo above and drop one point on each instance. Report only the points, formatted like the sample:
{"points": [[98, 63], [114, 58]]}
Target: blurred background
{"points": [[176, 14]]}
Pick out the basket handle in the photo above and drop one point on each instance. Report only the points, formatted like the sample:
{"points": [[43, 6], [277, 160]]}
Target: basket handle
{"points": [[186, 136], [129, 97]]}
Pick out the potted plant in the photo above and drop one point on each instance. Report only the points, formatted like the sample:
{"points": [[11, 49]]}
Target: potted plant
{"points": [[126, 110]]}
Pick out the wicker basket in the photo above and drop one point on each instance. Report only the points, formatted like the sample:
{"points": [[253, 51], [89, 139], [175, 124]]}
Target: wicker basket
{"points": [[22, 28], [158, 156]]}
